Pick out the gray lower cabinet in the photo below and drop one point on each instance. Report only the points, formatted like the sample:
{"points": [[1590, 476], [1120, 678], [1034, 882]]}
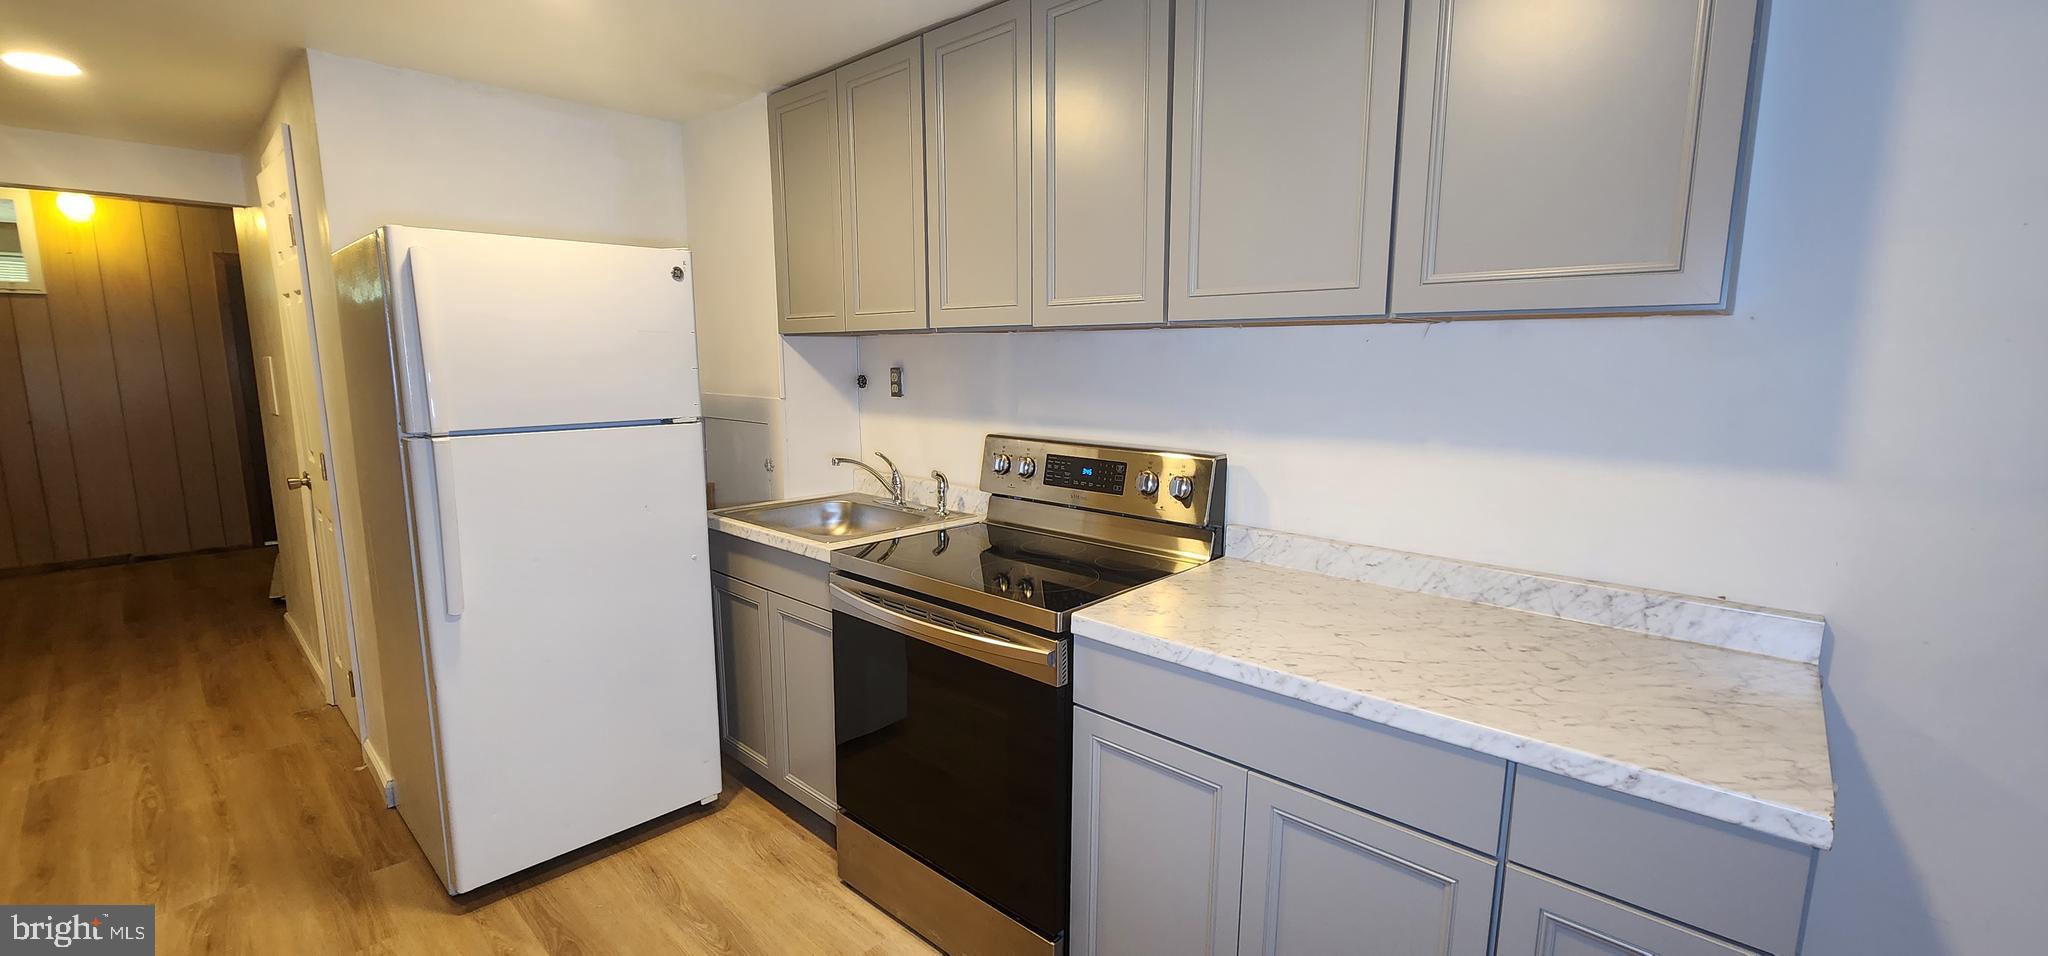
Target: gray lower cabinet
{"points": [[1321, 877], [739, 614], [1540, 916], [1579, 158], [1158, 842], [1177, 851], [775, 689], [805, 756]]}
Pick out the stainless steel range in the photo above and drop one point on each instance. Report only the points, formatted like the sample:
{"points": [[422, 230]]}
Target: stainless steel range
{"points": [[954, 710]]}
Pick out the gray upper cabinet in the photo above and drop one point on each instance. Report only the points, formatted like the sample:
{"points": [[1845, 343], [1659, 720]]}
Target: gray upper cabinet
{"points": [[1577, 155], [804, 760], [881, 134], [1158, 838], [803, 158], [1321, 877], [1285, 114], [1542, 917], [745, 690], [977, 107], [1100, 87]]}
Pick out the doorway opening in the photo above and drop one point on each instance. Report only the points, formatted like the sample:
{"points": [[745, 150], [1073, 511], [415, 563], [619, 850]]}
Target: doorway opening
{"points": [[124, 414]]}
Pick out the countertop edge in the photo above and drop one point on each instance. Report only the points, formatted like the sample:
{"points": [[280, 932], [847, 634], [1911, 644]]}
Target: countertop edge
{"points": [[1804, 827]]}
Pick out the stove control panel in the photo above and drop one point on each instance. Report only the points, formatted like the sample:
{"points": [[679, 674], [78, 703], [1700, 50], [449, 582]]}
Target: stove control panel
{"points": [[1177, 486]]}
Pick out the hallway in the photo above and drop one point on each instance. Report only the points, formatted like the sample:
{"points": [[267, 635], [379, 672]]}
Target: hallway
{"points": [[162, 740]]}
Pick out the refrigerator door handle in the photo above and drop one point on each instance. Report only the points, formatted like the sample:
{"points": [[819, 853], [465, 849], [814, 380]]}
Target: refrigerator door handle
{"points": [[423, 296], [450, 526]]}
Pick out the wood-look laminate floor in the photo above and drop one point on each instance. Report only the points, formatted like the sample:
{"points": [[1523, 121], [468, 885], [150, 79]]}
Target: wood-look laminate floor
{"points": [[163, 740]]}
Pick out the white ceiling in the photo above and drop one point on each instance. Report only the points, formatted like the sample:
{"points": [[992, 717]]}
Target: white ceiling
{"points": [[201, 73]]}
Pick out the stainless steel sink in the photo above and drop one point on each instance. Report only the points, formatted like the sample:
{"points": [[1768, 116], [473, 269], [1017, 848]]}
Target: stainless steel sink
{"points": [[826, 519]]}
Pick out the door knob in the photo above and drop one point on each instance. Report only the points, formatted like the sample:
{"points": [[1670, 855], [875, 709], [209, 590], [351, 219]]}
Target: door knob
{"points": [[299, 481]]}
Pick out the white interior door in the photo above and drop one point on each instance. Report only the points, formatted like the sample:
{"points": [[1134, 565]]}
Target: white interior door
{"points": [[513, 332], [567, 596], [312, 499]]}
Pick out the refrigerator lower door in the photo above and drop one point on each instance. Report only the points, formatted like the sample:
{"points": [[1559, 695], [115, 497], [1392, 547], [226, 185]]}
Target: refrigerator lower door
{"points": [[565, 588]]}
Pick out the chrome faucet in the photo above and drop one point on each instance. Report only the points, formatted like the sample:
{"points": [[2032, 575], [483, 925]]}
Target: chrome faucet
{"points": [[940, 477], [894, 481]]}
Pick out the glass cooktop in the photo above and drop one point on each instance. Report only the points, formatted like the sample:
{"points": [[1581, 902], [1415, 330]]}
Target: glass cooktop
{"points": [[1026, 576]]}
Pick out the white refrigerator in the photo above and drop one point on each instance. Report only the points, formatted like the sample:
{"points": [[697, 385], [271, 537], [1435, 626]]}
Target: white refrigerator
{"points": [[530, 467]]}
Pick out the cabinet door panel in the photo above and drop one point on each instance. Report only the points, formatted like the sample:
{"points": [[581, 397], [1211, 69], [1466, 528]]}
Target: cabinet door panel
{"points": [[1575, 155], [977, 101], [881, 132], [1542, 917], [1284, 121], [805, 755], [1321, 877], [745, 692], [1158, 840], [1100, 86], [803, 155]]}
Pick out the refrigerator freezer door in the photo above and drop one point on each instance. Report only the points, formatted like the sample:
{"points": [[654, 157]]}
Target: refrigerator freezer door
{"points": [[508, 332], [573, 685]]}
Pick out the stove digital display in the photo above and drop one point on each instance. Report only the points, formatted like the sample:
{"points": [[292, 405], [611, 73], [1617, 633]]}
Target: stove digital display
{"points": [[1087, 474]]}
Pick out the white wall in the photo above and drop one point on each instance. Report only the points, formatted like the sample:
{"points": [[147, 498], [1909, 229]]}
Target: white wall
{"points": [[33, 157], [732, 245], [1865, 437], [417, 149]]}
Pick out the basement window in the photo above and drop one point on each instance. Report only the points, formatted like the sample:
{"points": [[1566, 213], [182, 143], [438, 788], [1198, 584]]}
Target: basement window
{"points": [[21, 267]]}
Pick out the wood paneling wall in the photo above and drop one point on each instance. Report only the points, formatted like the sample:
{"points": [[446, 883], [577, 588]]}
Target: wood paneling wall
{"points": [[122, 428]]}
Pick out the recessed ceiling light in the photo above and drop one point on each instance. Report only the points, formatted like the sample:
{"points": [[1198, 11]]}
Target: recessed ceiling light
{"points": [[40, 63]]}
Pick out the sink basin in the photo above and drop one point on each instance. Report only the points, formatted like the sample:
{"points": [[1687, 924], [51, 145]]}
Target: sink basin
{"points": [[826, 519]]}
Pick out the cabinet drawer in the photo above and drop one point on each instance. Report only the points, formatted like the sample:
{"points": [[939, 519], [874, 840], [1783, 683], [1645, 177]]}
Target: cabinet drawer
{"points": [[1431, 786], [1732, 882], [1540, 916]]}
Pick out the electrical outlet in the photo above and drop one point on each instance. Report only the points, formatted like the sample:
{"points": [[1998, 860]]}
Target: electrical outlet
{"points": [[895, 381]]}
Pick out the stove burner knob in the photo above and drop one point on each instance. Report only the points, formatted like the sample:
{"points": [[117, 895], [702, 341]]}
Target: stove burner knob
{"points": [[1001, 582], [1026, 468], [1181, 487], [1148, 483], [1026, 587], [1000, 464]]}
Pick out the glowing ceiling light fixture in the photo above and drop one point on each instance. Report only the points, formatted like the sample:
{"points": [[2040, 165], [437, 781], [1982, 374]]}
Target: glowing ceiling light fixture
{"points": [[76, 207], [42, 64]]}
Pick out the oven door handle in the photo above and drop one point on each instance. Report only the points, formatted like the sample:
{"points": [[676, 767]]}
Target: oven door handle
{"points": [[1042, 664]]}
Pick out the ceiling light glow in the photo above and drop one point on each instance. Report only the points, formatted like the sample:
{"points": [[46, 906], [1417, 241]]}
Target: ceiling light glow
{"points": [[76, 207], [42, 64]]}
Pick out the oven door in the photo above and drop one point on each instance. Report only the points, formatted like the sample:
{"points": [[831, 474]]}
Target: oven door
{"points": [[954, 745]]}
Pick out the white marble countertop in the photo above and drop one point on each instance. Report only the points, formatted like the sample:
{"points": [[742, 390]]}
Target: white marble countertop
{"points": [[820, 550], [1735, 736]]}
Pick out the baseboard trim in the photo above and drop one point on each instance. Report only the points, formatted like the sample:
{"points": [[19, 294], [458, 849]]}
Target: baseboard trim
{"points": [[311, 653], [384, 778]]}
